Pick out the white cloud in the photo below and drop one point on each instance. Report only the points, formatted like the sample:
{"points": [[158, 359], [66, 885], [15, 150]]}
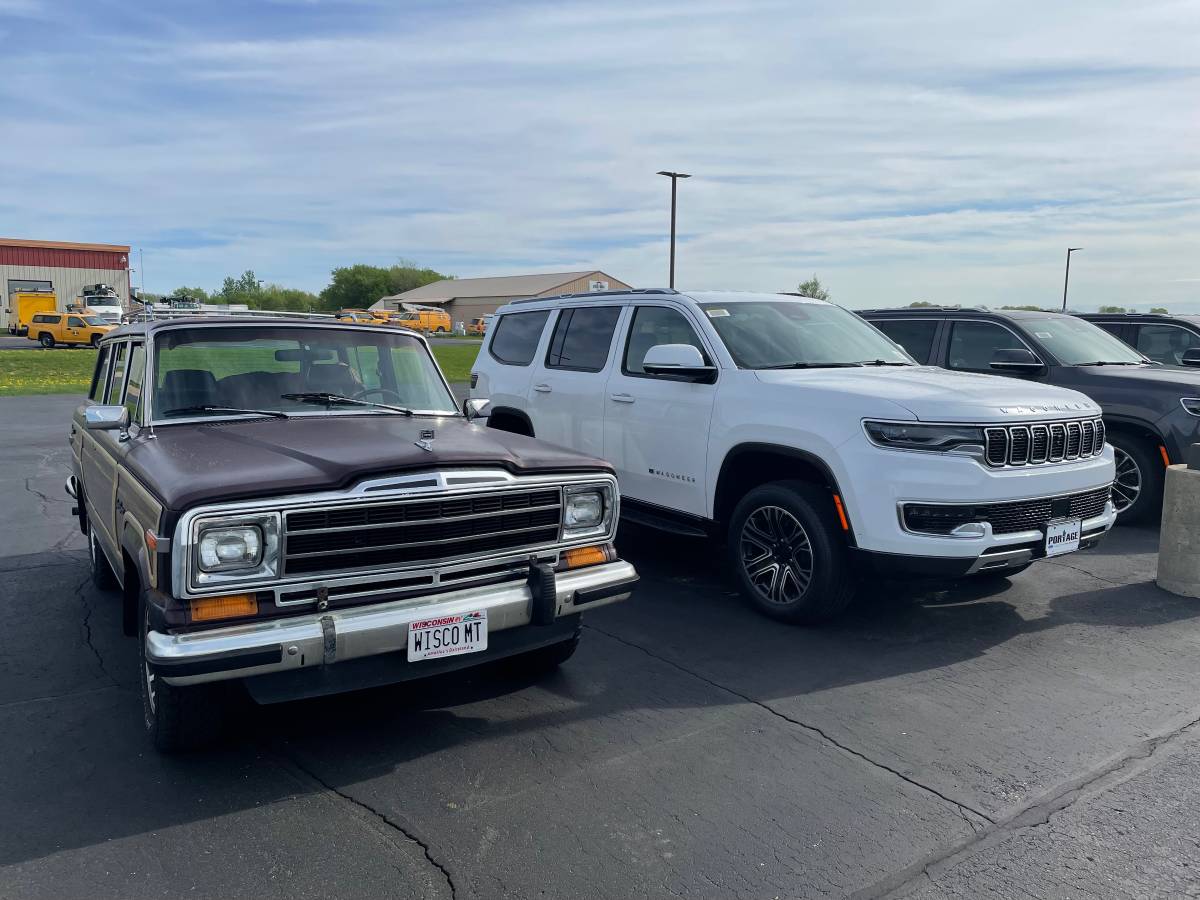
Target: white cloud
{"points": [[947, 151]]}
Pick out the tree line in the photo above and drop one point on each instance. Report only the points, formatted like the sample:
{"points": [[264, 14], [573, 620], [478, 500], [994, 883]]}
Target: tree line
{"points": [[350, 287]]}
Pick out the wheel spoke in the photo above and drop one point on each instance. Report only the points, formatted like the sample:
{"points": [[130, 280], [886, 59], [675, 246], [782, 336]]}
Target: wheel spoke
{"points": [[777, 555]]}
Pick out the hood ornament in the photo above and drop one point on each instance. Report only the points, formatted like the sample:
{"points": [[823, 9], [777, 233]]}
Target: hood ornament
{"points": [[426, 441]]}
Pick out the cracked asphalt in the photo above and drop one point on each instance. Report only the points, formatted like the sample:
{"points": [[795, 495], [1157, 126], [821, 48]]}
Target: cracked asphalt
{"points": [[1026, 738]]}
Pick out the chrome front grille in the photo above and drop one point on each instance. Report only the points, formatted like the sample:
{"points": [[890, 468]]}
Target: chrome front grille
{"points": [[419, 532], [1035, 445]]}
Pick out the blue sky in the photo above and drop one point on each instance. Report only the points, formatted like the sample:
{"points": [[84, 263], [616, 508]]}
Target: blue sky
{"points": [[947, 151]]}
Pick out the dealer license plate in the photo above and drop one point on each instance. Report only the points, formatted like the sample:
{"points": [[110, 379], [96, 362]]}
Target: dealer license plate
{"points": [[447, 636], [1063, 537]]}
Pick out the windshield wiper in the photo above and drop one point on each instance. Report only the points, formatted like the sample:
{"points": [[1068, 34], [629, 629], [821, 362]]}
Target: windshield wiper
{"points": [[883, 362], [1109, 362], [330, 399], [273, 413], [808, 365]]}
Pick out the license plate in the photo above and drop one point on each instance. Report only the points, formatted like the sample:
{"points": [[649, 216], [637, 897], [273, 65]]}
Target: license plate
{"points": [[1063, 537], [447, 636]]}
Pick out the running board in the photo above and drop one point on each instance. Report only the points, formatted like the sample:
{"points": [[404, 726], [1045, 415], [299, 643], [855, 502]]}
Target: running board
{"points": [[650, 519]]}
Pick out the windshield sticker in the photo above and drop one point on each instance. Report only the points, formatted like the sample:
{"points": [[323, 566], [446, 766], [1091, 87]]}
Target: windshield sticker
{"points": [[1043, 335], [717, 313]]}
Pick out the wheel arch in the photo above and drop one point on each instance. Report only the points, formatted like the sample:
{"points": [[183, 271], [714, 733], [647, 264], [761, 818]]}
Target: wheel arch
{"points": [[1135, 428]]}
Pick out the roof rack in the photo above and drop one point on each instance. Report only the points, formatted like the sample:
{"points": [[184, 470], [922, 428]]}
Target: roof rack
{"points": [[907, 309], [583, 294]]}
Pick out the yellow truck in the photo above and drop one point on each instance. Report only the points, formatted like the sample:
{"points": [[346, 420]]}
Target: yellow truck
{"points": [[24, 305], [422, 318], [69, 329]]}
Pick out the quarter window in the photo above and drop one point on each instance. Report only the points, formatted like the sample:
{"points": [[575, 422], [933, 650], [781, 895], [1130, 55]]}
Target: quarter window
{"points": [[973, 345], [117, 382], [1166, 343], [515, 337], [653, 325], [914, 335], [582, 338]]}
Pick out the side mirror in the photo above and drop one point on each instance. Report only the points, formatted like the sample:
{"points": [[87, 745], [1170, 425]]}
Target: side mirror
{"points": [[477, 409], [680, 361], [1191, 358], [107, 418], [1017, 361]]}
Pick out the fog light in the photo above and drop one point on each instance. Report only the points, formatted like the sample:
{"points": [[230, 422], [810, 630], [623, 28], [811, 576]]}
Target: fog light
{"points": [[228, 606]]}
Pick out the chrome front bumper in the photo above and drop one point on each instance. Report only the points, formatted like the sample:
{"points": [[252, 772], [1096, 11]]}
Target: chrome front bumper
{"points": [[318, 639]]}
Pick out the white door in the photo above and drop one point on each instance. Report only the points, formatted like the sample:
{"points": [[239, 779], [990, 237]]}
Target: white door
{"points": [[656, 427], [566, 394]]}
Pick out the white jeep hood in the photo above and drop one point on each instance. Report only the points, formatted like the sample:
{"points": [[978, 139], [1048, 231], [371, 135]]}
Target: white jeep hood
{"points": [[938, 395]]}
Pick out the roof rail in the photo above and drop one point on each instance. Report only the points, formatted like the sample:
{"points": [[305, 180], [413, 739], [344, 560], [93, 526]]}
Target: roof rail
{"points": [[583, 294], [906, 309]]}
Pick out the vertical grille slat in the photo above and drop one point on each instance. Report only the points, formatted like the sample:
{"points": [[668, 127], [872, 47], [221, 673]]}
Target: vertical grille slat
{"points": [[1021, 445]]}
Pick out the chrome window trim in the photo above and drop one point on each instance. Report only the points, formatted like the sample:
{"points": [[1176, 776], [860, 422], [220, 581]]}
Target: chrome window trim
{"points": [[435, 483]]}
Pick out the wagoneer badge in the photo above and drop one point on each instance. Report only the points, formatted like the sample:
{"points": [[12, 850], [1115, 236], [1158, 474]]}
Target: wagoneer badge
{"points": [[426, 441]]}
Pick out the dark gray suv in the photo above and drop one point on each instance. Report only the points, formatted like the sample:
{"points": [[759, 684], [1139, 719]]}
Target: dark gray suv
{"points": [[1152, 412], [1166, 339]]}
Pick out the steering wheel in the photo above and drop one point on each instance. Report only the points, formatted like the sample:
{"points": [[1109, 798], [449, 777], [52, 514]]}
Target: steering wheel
{"points": [[396, 398]]}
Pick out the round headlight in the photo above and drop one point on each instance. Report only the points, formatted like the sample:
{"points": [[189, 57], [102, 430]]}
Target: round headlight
{"points": [[238, 547], [585, 509]]}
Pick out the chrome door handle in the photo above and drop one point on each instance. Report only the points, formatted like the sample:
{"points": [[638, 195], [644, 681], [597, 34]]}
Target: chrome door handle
{"points": [[621, 398], [542, 388]]}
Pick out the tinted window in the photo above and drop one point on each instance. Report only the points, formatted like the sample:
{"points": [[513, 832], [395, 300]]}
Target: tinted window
{"points": [[915, 336], [137, 377], [1166, 343], [45, 319], [582, 338], [974, 344], [1078, 343], [515, 337], [118, 375], [654, 325], [100, 376], [74, 322]]}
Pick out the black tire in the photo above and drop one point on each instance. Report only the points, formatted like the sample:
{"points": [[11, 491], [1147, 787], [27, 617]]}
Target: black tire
{"points": [[177, 718], [1137, 492], [103, 576], [544, 660], [46, 340], [95, 342], [788, 526]]}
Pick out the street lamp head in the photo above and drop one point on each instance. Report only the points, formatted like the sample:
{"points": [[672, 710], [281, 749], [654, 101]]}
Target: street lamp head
{"points": [[675, 174], [1073, 249]]}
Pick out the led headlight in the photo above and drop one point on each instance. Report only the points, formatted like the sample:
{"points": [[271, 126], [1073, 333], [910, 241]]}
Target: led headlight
{"points": [[225, 549], [918, 436], [587, 510]]}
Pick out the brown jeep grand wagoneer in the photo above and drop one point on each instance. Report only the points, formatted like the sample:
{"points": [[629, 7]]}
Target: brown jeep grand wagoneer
{"points": [[298, 506]]}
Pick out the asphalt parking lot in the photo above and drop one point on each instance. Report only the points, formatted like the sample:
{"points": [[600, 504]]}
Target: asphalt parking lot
{"points": [[1032, 738]]}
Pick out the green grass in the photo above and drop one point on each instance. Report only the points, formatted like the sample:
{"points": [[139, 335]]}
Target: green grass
{"points": [[62, 371]]}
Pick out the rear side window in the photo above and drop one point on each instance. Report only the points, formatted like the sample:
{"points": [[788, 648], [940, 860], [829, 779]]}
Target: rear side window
{"points": [[914, 335], [582, 338], [100, 376], [515, 337], [44, 319]]}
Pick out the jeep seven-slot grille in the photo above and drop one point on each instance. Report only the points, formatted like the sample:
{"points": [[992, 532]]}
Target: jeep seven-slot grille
{"points": [[419, 531], [1035, 445], [1005, 518]]}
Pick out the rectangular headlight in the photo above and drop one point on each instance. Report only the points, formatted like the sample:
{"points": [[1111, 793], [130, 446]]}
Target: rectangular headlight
{"points": [[587, 510], [224, 549], [234, 549], [918, 436]]}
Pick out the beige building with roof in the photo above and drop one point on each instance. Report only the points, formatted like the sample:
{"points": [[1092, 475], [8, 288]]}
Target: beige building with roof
{"points": [[467, 298]]}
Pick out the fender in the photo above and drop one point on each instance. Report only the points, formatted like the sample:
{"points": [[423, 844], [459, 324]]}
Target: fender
{"points": [[1148, 427]]}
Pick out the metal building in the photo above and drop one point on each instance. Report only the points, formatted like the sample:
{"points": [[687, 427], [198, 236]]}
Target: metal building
{"points": [[466, 298], [62, 267]]}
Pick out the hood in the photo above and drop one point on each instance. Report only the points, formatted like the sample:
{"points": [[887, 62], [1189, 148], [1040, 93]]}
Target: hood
{"points": [[209, 462], [939, 395], [1177, 381]]}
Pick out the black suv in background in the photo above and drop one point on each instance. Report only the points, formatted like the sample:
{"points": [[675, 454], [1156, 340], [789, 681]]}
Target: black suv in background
{"points": [[1152, 413], [1170, 340]]}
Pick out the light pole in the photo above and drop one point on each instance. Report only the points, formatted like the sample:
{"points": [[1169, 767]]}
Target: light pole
{"points": [[1067, 276], [674, 176]]}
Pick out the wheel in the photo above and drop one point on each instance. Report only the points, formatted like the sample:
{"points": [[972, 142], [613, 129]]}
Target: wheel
{"points": [[176, 718], [790, 561], [102, 573], [442, 329], [95, 342], [46, 340], [544, 660], [1137, 490]]}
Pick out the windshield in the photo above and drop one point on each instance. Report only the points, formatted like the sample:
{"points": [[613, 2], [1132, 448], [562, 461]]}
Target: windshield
{"points": [[252, 368], [94, 320], [780, 333], [1075, 342]]}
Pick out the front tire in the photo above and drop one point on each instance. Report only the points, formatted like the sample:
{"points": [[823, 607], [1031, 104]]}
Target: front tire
{"points": [[95, 341], [176, 718], [1137, 490], [790, 561]]}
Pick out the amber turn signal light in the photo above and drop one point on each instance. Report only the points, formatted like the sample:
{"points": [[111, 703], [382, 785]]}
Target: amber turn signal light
{"points": [[584, 556], [206, 609]]}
